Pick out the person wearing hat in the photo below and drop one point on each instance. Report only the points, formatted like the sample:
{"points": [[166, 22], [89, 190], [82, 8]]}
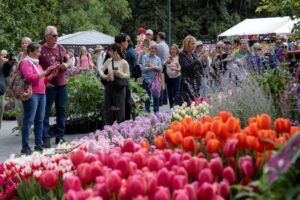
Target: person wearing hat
{"points": [[149, 35], [198, 48], [140, 40], [99, 51]]}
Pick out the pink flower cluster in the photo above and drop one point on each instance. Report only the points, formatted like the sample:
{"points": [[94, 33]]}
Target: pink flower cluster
{"points": [[132, 172]]}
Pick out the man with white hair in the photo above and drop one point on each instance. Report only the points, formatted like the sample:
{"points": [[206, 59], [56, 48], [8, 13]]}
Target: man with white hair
{"points": [[56, 91]]}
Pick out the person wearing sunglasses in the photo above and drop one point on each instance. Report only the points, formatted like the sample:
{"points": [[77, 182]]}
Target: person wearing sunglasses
{"points": [[53, 54]]}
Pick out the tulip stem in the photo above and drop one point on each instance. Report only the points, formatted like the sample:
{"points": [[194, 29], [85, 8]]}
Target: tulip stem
{"points": [[51, 195]]}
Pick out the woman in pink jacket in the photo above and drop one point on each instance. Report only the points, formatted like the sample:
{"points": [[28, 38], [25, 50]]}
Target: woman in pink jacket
{"points": [[34, 108]]}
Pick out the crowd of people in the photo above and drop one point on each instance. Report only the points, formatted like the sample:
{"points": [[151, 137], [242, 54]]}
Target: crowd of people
{"points": [[169, 74]]}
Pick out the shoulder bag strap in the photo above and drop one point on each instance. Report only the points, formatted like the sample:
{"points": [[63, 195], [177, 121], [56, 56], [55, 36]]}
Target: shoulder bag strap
{"points": [[59, 54]]}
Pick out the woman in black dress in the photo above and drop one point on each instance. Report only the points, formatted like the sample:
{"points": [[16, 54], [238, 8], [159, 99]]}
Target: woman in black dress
{"points": [[191, 72]]}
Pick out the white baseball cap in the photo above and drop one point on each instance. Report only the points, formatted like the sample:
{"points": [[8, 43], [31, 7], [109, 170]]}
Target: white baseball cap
{"points": [[149, 32]]}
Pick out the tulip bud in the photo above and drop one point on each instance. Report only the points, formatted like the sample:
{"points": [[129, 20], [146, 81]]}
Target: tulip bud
{"points": [[152, 186], [154, 164], [230, 147], [180, 195], [49, 179], [112, 160], [190, 190], [246, 166], [162, 194], [229, 175], [224, 189], [123, 166], [113, 182], [163, 177], [136, 186], [128, 146], [206, 191], [84, 171], [178, 182], [139, 159], [216, 166], [205, 176], [97, 169], [77, 157], [72, 183]]}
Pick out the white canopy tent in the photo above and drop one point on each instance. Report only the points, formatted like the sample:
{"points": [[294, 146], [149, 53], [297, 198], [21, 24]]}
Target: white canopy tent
{"points": [[260, 26], [87, 38]]}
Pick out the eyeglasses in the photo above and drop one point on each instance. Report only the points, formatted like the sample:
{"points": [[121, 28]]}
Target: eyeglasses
{"points": [[258, 49], [55, 36], [218, 47]]}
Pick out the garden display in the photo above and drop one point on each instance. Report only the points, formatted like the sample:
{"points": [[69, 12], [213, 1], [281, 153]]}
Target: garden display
{"points": [[157, 157]]}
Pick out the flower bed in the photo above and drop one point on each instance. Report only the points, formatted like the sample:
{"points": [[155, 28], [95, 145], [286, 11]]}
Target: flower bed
{"points": [[151, 158]]}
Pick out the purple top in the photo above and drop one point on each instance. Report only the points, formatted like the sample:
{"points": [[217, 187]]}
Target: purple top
{"points": [[50, 56]]}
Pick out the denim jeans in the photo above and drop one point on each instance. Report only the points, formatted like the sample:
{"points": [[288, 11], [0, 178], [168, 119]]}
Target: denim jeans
{"points": [[173, 85], [34, 110], [155, 99], [59, 95]]}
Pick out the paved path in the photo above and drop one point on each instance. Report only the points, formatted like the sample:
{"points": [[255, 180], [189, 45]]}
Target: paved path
{"points": [[10, 143]]}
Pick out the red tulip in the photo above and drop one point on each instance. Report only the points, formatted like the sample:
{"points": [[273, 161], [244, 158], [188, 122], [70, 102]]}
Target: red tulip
{"points": [[97, 169], [49, 179], [230, 148], [178, 182], [72, 183], [216, 166], [136, 185], [206, 191], [113, 182], [190, 190], [224, 189], [246, 166], [194, 165], [229, 175], [128, 146], [112, 160], [77, 157], [180, 195], [162, 194], [163, 177], [154, 164], [84, 171], [205, 176], [123, 166], [139, 158], [152, 186], [102, 191]]}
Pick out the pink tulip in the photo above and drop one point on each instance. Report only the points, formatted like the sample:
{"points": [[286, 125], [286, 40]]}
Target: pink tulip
{"points": [[123, 194], [175, 159], [102, 191], [152, 186], [230, 148], [72, 183], [97, 169], [190, 190], [162, 194], [216, 166], [229, 175], [128, 146], [141, 198], [49, 179], [132, 168], [194, 165], [246, 166], [84, 171], [181, 171], [163, 177], [180, 195], [90, 158], [139, 158], [154, 164], [77, 157], [112, 160], [167, 154], [136, 185], [123, 166], [178, 182], [113, 182], [206, 192], [205, 176], [224, 189]]}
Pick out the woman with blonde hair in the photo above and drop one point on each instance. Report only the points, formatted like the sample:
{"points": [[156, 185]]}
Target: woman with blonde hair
{"points": [[173, 73], [191, 72]]}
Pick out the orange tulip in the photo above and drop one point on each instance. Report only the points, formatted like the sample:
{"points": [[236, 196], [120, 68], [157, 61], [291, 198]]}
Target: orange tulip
{"points": [[252, 120], [168, 135], [242, 140], [224, 134], [233, 125], [224, 115], [205, 119], [186, 121], [281, 140], [196, 129], [253, 129], [250, 141], [213, 146], [206, 127], [216, 127], [264, 121], [188, 144], [159, 142], [145, 144], [282, 125], [209, 135], [176, 138]]}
